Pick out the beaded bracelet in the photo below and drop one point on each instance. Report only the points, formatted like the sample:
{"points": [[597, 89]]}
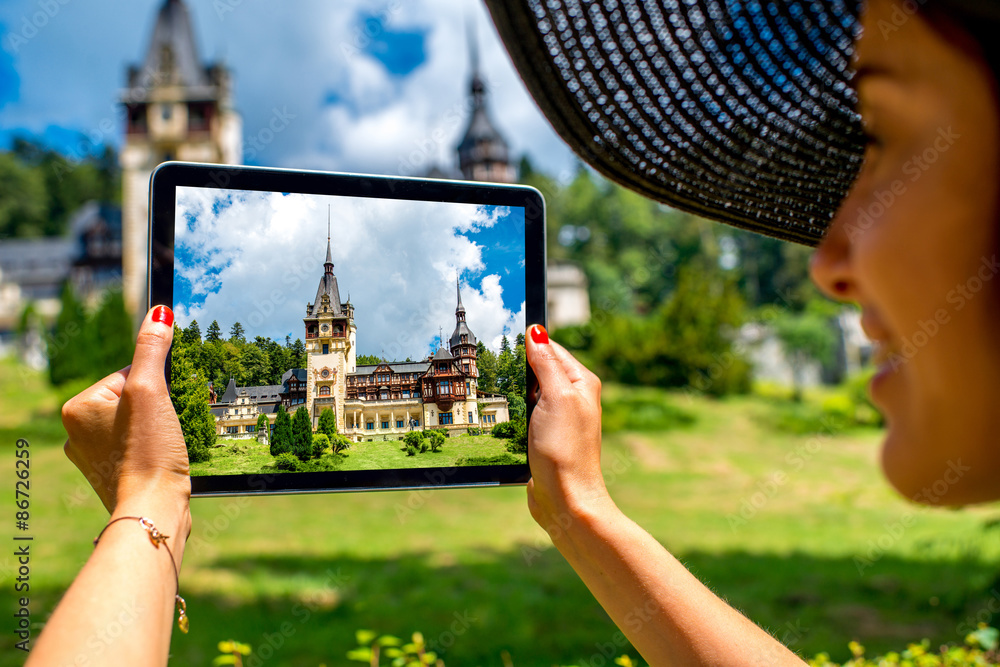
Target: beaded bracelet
{"points": [[158, 538]]}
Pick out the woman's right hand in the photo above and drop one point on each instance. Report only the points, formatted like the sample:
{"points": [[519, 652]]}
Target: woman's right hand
{"points": [[564, 437]]}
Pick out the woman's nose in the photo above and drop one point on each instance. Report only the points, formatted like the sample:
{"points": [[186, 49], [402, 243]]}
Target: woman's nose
{"points": [[831, 264]]}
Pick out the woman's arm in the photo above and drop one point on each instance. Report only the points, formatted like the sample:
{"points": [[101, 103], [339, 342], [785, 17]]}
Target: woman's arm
{"points": [[667, 614], [125, 438]]}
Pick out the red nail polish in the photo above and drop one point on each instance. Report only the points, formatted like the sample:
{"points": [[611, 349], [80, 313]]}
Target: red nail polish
{"points": [[539, 334], [163, 315]]}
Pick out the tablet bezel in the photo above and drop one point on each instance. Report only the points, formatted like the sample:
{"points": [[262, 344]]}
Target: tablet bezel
{"points": [[163, 186]]}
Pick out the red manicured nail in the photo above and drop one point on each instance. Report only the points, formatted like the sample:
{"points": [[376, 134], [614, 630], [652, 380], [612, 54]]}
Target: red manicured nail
{"points": [[539, 334], [163, 315]]}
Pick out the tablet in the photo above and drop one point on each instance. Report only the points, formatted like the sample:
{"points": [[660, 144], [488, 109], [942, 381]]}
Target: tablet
{"points": [[342, 332]]}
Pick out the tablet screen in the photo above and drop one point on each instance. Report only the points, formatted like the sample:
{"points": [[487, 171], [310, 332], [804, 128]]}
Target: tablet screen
{"points": [[327, 334]]}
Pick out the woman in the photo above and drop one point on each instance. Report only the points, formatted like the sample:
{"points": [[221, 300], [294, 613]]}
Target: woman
{"points": [[913, 243]]}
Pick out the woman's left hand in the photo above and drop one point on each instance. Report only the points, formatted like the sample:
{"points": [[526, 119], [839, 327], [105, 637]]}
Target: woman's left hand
{"points": [[124, 435]]}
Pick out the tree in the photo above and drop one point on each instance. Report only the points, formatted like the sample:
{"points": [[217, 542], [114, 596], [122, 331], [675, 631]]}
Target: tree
{"points": [[69, 348], [804, 337], [298, 356], [256, 368], [320, 443], [192, 333], [281, 439], [339, 443], [189, 394], [486, 362], [237, 334], [368, 359], [214, 333], [302, 434], [112, 335], [327, 423]]}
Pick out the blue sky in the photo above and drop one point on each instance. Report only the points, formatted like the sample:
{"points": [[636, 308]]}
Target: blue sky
{"points": [[376, 87], [257, 258]]}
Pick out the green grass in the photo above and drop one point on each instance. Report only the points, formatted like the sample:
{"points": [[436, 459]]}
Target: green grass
{"points": [[232, 457], [294, 576]]}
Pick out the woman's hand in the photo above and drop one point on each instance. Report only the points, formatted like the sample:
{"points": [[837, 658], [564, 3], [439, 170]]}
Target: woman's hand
{"points": [[123, 432], [564, 437]]}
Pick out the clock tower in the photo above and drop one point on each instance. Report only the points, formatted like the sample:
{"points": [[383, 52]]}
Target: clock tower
{"points": [[331, 342]]}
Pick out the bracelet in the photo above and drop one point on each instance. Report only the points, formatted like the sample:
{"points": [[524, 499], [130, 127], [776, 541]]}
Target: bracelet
{"points": [[158, 538]]}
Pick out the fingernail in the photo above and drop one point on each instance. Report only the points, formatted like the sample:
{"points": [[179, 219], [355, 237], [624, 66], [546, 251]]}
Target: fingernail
{"points": [[163, 315], [539, 334]]}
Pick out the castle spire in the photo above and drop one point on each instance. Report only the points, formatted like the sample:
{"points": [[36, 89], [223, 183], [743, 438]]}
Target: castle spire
{"points": [[328, 265], [460, 309]]}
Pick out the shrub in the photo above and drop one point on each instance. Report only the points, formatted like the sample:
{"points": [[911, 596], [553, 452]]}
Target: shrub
{"points": [[411, 450], [503, 430], [475, 430], [414, 439], [287, 462], [436, 440], [339, 443], [198, 454], [495, 460], [320, 444], [519, 441]]}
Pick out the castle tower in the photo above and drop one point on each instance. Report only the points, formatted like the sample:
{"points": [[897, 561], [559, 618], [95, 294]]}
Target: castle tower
{"points": [[176, 109], [463, 348], [331, 346], [483, 154]]}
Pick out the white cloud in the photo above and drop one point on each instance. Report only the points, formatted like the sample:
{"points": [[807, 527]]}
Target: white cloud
{"points": [[396, 260]]}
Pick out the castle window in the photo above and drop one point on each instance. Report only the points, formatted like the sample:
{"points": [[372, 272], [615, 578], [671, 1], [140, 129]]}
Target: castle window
{"points": [[470, 418], [446, 418], [468, 386], [406, 393], [370, 426], [443, 367], [444, 387], [465, 338], [399, 423], [251, 427], [326, 348], [166, 111], [232, 429], [490, 419], [324, 391], [197, 117], [385, 425], [384, 396]]}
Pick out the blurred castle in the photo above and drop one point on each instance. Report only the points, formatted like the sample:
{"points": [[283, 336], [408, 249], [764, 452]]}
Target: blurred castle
{"points": [[176, 109]]}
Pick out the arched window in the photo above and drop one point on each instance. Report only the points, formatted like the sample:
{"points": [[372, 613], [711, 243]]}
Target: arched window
{"points": [[324, 391]]}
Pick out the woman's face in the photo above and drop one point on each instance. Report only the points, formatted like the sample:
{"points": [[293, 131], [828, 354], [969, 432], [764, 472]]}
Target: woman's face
{"points": [[916, 245]]}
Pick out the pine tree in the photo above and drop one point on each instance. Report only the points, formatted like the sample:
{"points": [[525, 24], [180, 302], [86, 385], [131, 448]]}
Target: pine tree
{"points": [[281, 439], [236, 333], [192, 333], [68, 347], [302, 434], [486, 362], [112, 335], [327, 423], [298, 350], [190, 397], [214, 333]]}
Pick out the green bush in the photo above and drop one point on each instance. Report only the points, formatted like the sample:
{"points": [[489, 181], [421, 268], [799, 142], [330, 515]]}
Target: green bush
{"points": [[339, 443], [641, 410], [475, 430], [287, 462], [414, 439], [503, 430], [495, 460], [320, 444], [411, 450], [436, 441], [519, 441]]}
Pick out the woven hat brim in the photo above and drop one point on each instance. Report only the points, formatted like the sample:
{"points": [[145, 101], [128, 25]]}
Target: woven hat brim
{"points": [[737, 112]]}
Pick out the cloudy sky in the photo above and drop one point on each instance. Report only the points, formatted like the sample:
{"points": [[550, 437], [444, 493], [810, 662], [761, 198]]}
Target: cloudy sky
{"points": [[257, 258], [377, 87]]}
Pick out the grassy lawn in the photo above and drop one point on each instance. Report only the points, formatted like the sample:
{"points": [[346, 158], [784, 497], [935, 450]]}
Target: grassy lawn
{"points": [[231, 457], [817, 559]]}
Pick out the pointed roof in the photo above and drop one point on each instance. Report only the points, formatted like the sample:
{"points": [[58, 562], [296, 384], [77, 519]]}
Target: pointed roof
{"points": [[442, 355], [173, 46], [327, 285], [230, 394], [481, 142], [461, 327]]}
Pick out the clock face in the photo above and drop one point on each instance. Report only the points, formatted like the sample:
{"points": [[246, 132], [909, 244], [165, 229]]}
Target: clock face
{"points": [[325, 328], [325, 373]]}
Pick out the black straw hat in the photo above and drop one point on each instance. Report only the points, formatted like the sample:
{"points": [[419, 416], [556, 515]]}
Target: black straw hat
{"points": [[739, 111]]}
